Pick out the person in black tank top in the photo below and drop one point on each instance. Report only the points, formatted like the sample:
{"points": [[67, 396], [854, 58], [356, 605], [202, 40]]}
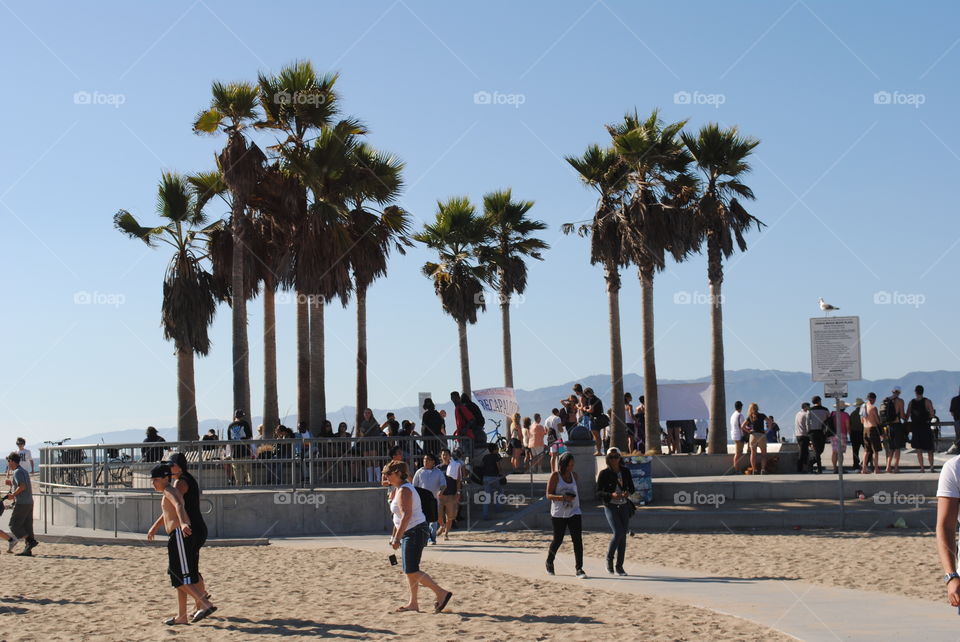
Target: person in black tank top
{"points": [[188, 487]]}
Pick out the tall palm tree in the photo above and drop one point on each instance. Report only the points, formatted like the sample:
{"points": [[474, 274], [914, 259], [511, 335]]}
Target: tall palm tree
{"points": [[460, 237], [656, 162], [298, 104], [721, 156], [600, 169], [512, 243], [233, 109], [374, 181], [189, 302]]}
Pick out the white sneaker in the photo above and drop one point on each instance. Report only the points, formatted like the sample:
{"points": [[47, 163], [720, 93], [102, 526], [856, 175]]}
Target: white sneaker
{"points": [[13, 542], [581, 575]]}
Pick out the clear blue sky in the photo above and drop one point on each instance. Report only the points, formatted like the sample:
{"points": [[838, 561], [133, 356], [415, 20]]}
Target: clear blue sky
{"points": [[855, 193]]}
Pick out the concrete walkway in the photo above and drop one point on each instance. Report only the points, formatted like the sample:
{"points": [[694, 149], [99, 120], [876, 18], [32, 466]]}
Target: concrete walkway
{"points": [[805, 611]]}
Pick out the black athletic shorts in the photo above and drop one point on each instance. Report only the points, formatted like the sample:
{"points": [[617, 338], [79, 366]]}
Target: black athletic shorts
{"points": [[182, 559]]}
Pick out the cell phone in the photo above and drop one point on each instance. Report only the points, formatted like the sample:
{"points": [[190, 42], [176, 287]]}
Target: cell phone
{"points": [[393, 560], [569, 494]]}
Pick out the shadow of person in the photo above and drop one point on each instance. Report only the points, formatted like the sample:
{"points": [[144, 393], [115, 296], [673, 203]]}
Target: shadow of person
{"points": [[295, 626], [533, 619]]}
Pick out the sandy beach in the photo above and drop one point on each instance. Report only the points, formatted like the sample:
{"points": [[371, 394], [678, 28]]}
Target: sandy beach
{"points": [[121, 592], [887, 560]]}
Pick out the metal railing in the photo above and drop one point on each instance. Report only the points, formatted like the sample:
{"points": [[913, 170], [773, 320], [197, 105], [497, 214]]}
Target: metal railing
{"points": [[263, 463]]}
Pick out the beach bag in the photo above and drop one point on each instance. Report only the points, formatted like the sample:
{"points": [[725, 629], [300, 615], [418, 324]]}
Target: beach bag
{"points": [[428, 503], [888, 411], [601, 422]]}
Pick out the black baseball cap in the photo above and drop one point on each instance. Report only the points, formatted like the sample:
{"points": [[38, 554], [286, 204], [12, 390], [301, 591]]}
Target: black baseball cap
{"points": [[159, 471]]}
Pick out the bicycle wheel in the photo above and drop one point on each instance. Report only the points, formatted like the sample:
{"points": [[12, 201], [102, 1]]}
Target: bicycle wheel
{"points": [[501, 443]]}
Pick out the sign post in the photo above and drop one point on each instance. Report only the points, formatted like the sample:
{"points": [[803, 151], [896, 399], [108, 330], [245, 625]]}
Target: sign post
{"points": [[835, 360]]}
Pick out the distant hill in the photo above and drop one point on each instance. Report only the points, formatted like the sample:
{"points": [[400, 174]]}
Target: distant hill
{"points": [[777, 392]]}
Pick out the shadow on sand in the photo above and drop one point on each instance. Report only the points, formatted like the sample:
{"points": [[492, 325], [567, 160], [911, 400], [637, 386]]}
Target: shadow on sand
{"points": [[294, 626]]}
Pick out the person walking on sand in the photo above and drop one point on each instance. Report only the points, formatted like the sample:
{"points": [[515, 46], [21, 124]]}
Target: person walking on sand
{"points": [[410, 534], [801, 434], [184, 482], [21, 520], [948, 512], [754, 425], [182, 552], [614, 487], [920, 411], [565, 513], [736, 434], [872, 442]]}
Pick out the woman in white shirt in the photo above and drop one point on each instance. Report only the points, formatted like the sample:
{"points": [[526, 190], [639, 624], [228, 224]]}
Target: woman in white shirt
{"points": [[410, 534], [565, 513]]}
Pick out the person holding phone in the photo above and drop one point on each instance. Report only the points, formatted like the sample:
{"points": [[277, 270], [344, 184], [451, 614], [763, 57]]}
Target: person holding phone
{"points": [[565, 512], [614, 487]]}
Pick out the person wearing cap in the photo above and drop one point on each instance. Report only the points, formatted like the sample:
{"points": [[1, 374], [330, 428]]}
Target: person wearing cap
{"points": [[182, 551], [614, 487], [896, 431], [856, 432]]}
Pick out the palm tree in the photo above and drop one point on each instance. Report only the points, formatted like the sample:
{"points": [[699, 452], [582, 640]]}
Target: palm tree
{"points": [[460, 237], [189, 302], [298, 103], [233, 108], [721, 221], [656, 161], [600, 169], [512, 242], [375, 180]]}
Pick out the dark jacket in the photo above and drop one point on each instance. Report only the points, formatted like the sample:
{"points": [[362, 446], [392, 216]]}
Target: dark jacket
{"points": [[607, 483]]}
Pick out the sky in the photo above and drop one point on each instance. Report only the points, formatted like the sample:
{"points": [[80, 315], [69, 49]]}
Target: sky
{"points": [[854, 104]]}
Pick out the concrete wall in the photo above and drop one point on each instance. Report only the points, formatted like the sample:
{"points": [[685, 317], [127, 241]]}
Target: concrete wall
{"points": [[233, 514]]}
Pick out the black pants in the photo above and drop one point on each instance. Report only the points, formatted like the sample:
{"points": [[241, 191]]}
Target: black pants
{"points": [[856, 440], [560, 526], [818, 439], [804, 443]]}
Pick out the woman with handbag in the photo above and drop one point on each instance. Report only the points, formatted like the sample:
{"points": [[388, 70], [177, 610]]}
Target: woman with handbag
{"points": [[614, 486], [565, 513]]}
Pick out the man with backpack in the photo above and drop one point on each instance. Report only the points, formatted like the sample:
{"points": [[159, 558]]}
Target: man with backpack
{"points": [[479, 434], [465, 422], [817, 418], [892, 416]]}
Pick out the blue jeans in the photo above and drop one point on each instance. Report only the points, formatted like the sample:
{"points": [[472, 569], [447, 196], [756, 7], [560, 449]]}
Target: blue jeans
{"points": [[433, 531], [491, 488], [618, 518], [412, 543]]}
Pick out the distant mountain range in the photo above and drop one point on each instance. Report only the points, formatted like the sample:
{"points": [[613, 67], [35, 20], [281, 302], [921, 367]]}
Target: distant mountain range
{"points": [[777, 392]]}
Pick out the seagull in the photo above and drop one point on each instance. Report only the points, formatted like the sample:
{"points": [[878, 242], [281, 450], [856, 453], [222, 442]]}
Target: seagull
{"points": [[826, 307]]}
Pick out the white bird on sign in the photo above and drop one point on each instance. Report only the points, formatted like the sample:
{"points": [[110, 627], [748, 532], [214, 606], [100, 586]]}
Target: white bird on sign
{"points": [[826, 307]]}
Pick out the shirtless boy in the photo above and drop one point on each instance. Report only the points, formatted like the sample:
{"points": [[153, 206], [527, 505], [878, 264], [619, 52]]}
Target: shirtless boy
{"points": [[181, 551]]}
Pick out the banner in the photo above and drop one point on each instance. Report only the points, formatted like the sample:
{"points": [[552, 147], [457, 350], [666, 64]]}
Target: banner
{"points": [[500, 400], [684, 401]]}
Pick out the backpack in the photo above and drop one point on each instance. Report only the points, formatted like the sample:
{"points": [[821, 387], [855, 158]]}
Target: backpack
{"points": [[888, 411], [476, 425], [428, 503]]}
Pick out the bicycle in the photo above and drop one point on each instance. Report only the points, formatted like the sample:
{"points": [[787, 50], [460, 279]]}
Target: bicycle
{"points": [[74, 475], [117, 466], [496, 438]]}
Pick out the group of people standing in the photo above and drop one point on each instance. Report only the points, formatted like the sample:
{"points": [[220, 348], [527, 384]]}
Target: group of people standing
{"points": [[888, 427], [753, 431]]}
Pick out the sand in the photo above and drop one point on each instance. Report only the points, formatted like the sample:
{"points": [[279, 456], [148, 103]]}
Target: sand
{"points": [[891, 561], [121, 592]]}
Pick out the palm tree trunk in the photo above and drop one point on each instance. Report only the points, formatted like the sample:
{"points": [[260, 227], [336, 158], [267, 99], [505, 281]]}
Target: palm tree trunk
{"points": [[717, 437], [303, 359], [318, 398], [187, 426], [238, 302], [361, 352], [507, 346], [651, 401], [618, 431], [464, 357], [271, 404]]}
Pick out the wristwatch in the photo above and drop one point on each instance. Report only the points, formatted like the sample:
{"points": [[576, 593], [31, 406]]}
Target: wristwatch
{"points": [[950, 576]]}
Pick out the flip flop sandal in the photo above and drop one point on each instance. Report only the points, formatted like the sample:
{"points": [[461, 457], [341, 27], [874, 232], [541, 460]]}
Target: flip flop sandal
{"points": [[441, 604], [199, 615], [173, 622], [404, 609]]}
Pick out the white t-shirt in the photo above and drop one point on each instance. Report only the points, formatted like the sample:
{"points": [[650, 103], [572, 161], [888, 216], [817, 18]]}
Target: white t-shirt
{"points": [[416, 509], [553, 422], [949, 485], [26, 460], [736, 420]]}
